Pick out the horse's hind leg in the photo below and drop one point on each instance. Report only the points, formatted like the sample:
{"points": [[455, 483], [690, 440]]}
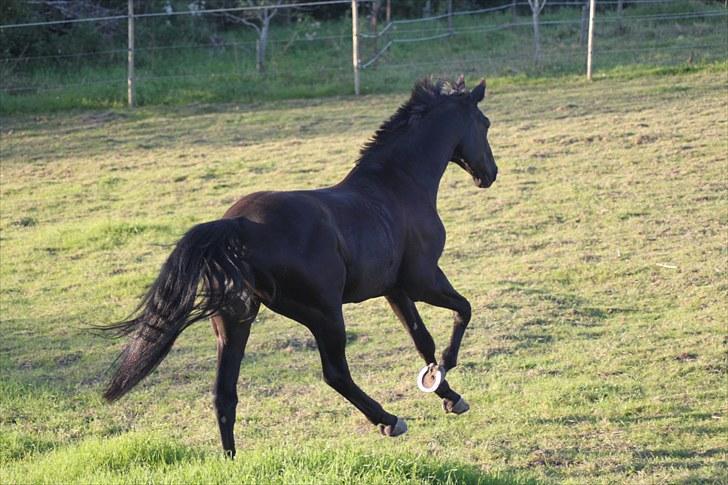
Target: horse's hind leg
{"points": [[328, 330], [232, 328], [331, 340], [407, 313]]}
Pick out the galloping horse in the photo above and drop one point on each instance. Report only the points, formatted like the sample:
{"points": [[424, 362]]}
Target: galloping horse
{"points": [[303, 254]]}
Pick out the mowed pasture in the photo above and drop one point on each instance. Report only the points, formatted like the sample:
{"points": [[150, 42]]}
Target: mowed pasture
{"points": [[596, 267]]}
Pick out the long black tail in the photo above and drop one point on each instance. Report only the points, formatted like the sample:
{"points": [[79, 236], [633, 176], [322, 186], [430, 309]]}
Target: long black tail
{"points": [[205, 273]]}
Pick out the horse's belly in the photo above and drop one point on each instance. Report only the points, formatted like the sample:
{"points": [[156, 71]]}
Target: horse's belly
{"points": [[371, 280]]}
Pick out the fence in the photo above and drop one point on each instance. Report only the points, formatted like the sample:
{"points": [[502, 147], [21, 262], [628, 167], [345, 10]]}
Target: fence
{"points": [[292, 50], [655, 33]]}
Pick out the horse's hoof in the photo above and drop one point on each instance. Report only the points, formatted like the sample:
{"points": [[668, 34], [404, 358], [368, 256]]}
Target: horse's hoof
{"points": [[430, 378], [400, 427], [459, 407]]}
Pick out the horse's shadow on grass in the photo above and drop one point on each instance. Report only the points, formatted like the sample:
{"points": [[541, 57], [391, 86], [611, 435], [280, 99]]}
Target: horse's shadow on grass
{"points": [[563, 310], [578, 309]]}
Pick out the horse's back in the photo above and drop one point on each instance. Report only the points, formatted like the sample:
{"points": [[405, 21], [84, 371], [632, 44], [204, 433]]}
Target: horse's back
{"points": [[318, 234]]}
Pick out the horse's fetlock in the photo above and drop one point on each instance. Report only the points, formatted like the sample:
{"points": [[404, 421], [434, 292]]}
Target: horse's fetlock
{"points": [[225, 402], [448, 360]]}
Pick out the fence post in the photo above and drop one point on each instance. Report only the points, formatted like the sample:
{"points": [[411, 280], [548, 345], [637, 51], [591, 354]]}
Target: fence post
{"points": [[584, 21], [354, 43], [373, 18], [590, 44], [131, 88], [449, 17]]}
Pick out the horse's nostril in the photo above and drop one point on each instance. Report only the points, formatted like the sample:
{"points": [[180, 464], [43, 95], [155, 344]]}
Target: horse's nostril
{"points": [[494, 173]]}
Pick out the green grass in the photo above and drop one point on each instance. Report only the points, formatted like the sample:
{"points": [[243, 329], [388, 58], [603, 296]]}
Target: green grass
{"points": [[137, 458], [596, 267], [313, 59]]}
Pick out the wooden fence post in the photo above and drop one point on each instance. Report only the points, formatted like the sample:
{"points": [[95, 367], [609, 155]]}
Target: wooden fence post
{"points": [[584, 22], [590, 44], [449, 17], [131, 86], [355, 43], [373, 20]]}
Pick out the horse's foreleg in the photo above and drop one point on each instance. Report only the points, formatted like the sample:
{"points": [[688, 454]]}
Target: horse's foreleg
{"points": [[232, 330], [442, 294], [407, 313]]}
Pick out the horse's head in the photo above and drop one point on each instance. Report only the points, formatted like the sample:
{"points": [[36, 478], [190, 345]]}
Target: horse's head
{"points": [[473, 152]]}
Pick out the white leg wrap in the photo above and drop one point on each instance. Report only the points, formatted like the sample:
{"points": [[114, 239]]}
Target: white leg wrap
{"points": [[439, 375]]}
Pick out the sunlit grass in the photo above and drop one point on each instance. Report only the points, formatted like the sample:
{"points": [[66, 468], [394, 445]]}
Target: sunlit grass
{"points": [[136, 458]]}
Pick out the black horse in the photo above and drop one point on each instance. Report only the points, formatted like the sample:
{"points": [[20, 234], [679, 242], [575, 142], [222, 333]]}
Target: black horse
{"points": [[305, 253]]}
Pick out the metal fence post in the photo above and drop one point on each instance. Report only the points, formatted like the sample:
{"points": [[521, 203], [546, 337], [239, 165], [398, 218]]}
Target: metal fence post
{"points": [[355, 44], [131, 88], [590, 44]]}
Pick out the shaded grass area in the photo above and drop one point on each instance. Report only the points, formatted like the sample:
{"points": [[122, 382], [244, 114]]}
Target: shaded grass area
{"points": [[595, 267]]}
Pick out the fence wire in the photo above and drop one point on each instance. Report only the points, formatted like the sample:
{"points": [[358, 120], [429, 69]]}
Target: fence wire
{"points": [[200, 52]]}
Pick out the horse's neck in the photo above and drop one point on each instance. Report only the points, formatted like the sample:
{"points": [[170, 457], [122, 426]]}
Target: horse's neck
{"points": [[417, 161], [423, 156]]}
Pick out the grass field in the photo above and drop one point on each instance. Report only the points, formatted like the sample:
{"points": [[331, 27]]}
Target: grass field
{"points": [[596, 267]]}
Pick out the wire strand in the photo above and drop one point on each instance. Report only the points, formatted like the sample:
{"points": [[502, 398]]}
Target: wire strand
{"points": [[188, 12]]}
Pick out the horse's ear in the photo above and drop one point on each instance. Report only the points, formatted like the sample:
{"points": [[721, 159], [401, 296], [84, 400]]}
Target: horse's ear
{"points": [[460, 84], [478, 92]]}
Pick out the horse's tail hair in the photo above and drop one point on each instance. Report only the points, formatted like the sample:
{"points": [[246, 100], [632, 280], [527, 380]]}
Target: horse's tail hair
{"points": [[204, 274]]}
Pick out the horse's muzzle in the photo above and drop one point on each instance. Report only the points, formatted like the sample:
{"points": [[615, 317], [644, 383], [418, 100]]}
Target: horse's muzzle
{"points": [[485, 180]]}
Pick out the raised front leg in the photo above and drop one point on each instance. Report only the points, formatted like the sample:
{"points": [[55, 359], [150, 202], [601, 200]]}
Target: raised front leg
{"points": [[440, 293], [232, 330], [407, 313]]}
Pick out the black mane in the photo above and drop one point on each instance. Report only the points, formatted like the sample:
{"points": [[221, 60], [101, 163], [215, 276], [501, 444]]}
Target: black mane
{"points": [[426, 94]]}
